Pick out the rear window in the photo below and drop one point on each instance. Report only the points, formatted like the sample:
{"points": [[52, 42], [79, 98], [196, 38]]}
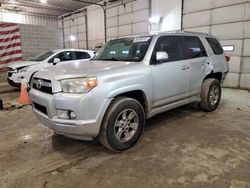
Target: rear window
{"points": [[215, 45]]}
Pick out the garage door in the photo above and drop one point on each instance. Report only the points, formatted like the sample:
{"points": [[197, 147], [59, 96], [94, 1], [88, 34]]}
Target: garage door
{"points": [[229, 21], [128, 19]]}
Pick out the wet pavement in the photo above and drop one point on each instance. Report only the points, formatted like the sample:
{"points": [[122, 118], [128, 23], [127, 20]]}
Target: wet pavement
{"points": [[180, 148]]}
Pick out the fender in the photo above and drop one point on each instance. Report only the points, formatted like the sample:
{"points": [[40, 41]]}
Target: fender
{"points": [[125, 89]]}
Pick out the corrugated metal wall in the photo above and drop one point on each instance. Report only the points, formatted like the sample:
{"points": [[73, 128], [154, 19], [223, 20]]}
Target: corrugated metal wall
{"points": [[75, 25], [229, 20], [128, 19]]}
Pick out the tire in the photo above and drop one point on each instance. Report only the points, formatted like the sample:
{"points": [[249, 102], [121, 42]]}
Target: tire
{"points": [[210, 94], [123, 124]]}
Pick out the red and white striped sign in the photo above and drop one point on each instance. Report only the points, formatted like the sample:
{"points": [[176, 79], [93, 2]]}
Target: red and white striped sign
{"points": [[10, 45]]}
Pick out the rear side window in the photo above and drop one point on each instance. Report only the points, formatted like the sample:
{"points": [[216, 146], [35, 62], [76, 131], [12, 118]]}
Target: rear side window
{"points": [[82, 55], [171, 45], [215, 45], [193, 48]]}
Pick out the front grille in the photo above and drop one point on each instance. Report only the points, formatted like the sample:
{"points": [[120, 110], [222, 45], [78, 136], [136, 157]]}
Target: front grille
{"points": [[41, 108], [42, 85]]}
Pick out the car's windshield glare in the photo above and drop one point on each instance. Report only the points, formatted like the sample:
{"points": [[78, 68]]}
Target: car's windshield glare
{"points": [[43, 56], [124, 49]]}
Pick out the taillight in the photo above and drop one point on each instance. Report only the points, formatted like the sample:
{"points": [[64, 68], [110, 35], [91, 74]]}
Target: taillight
{"points": [[227, 58]]}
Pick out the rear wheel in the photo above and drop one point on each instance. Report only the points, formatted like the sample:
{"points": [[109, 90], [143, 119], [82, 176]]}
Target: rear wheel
{"points": [[123, 124], [210, 94]]}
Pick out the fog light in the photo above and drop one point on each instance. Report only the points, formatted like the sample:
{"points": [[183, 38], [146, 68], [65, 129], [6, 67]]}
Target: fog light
{"points": [[64, 114], [72, 115]]}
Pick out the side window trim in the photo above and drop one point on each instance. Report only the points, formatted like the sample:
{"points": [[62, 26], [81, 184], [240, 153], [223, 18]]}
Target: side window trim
{"points": [[73, 55]]}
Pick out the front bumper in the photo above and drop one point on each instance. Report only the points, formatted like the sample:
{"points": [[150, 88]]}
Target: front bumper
{"points": [[82, 130], [12, 83], [89, 114]]}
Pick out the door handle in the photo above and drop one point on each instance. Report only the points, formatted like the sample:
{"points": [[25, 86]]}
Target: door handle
{"points": [[205, 63], [185, 67]]}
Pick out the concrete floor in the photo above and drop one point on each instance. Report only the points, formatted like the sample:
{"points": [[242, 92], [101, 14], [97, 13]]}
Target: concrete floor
{"points": [[181, 148]]}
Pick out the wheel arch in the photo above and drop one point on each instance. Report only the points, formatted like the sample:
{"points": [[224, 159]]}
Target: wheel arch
{"points": [[138, 95], [216, 75]]}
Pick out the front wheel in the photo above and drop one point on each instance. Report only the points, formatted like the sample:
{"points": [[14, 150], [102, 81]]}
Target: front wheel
{"points": [[123, 124], [210, 94]]}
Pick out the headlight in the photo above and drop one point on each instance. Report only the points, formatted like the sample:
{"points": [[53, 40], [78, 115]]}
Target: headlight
{"points": [[78, 85], [22, 69]]}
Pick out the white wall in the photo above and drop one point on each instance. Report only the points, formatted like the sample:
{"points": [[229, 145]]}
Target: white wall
{"points": [[38, 39], [170, 13], [229, 21]]}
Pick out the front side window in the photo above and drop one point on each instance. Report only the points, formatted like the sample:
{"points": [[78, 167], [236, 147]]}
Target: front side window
{"points": [[63, 56], [43, 56], [215, 45], [124, 49], [193, 48], [82, 55], [169, 44]]}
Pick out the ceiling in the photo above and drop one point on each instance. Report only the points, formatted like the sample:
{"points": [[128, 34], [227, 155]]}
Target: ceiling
{"points": [[51, 8]]}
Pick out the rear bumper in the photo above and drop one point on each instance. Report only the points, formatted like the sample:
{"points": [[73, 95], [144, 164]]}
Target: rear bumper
{"points": [[224, 75]]}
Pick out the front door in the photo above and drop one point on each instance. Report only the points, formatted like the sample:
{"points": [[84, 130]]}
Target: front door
{"points": [[171, 78]]}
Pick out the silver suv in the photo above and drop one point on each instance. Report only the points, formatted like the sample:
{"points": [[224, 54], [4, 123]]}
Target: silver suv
{"points": [[129, 80]]}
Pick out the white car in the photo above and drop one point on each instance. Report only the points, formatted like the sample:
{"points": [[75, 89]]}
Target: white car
{"points": [[25, 69]]}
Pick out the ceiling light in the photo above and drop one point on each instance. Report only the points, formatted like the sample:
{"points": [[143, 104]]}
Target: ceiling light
{"points": [[43, 1], [72, 38]]}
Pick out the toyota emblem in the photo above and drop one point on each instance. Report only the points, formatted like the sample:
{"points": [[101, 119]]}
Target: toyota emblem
{"points": [[39, 84]]}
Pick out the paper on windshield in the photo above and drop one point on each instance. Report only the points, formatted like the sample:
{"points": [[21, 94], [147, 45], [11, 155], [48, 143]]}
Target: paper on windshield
{"points": [[145, 39]]}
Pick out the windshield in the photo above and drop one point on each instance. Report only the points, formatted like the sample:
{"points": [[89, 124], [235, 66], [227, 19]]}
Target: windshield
{"points": [[43, 56], [124, 49]]}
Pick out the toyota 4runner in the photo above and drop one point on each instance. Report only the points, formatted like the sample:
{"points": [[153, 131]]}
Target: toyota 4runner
{"points": [[129, 80]]}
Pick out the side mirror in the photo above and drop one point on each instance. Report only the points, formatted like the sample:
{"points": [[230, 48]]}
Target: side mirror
{"points": [[161, 56], [56, 60]]}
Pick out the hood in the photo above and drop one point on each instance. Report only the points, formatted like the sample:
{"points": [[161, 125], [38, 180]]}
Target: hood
{"points": [[79, 69], [22, 64]]}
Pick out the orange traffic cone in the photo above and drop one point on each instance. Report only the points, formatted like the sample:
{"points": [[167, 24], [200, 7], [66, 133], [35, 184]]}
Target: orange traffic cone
{"points": [[24, 96]]}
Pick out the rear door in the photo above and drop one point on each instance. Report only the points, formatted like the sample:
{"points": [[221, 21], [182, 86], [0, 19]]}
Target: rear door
{"points": [[171, 78], [195, 53]]}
